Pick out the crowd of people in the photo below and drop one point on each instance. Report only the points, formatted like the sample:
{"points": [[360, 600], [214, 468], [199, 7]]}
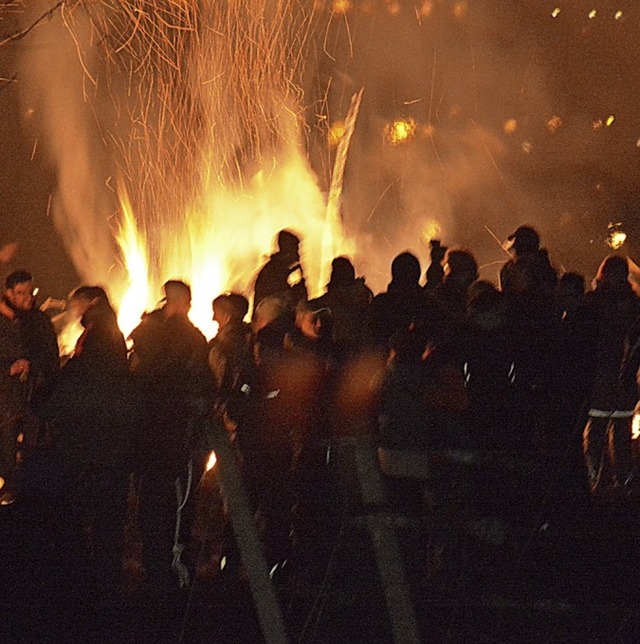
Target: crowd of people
{"points": [[441, 360]]}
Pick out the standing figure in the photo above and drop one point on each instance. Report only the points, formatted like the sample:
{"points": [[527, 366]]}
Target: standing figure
{"points": [[93, 412], [277, 275], [14, 371], [169, 363], [612, 308]]}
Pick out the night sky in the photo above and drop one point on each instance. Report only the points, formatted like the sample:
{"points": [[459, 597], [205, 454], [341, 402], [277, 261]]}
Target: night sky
{"points": [[525, 112]]}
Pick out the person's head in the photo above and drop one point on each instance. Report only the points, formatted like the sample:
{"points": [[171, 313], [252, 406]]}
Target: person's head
{"points": [[289, 246], [19, 291], [87, 297], [483, 297], [525, 239], [268, 310], [405, 269], [229, 308], [177, 298], [461, 267], [569, 293], [343, 273], [613, 272], [313, 322]]}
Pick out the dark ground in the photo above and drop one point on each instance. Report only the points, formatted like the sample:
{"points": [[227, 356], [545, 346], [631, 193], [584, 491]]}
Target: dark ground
{"points": [[501, 551]]}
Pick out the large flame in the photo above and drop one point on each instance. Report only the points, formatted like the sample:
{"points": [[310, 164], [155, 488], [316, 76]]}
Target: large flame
{"points": [[222, 241]]}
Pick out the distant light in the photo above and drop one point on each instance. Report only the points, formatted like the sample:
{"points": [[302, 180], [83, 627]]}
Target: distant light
{"points": [[393, 7], [510, 126], [635, 427], [593, 13], [554, 123], [597, 125], [212, 461], [616, 237], [425, 9], [341, 6], [610, 120], [618, 15], [460, 9], [527, 147], [555, 12], [400, 131]]}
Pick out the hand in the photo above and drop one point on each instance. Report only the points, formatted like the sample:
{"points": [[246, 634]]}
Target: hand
{"points": [[437, 252]]}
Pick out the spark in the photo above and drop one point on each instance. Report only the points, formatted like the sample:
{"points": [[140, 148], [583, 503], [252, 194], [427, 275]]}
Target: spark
{"points": [[555, 13], [618, 15], [610, 120], [593, 13]]}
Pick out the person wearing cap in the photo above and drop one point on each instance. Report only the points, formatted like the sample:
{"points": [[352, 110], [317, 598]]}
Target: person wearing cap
{"points": [[529, 271], [528, 282], [169, 363]]}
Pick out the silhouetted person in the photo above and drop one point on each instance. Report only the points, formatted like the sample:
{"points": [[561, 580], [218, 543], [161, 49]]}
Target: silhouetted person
{"points": [[612, 308], [450, 297], [94, 412], [348, 299], [275, 277], [487, 350], [14, 371], [528, 282], [169, 363], [403, 304], [231, 356]]}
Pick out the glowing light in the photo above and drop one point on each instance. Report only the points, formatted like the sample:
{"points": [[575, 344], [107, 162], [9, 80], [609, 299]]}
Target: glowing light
{"points": [[393, 7], [400, 131], [554, 123], [341, 6], [527, 147], [610, 120], [616, 237], [635, 427], [510, 126], [555, 12], [211, 461], [336, 132], [597, 125], [593, 13], [431, 230], [425, 9], [460, 9], [617, 15]]}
